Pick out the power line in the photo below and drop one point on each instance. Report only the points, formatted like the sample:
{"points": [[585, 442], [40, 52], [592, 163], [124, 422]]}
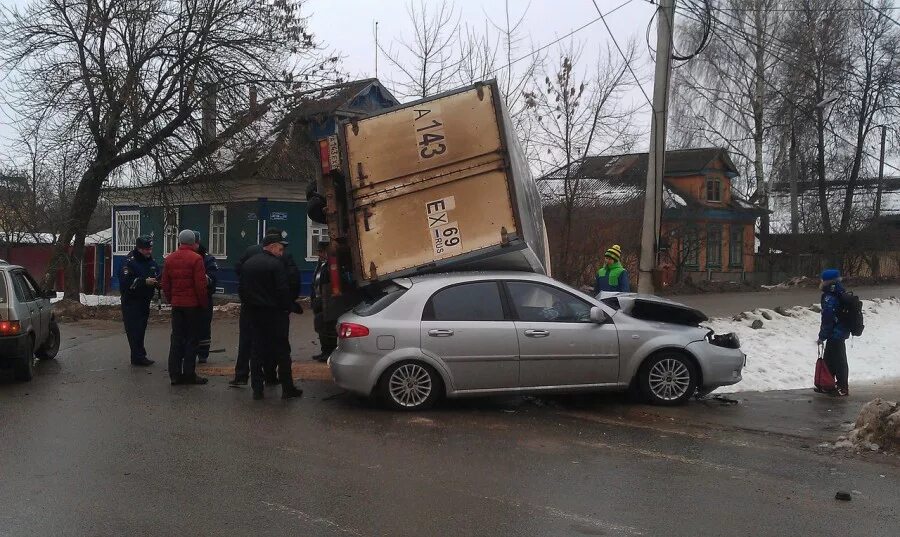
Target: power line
{"points": [[625, 59], [550, 44], [892, 19]]}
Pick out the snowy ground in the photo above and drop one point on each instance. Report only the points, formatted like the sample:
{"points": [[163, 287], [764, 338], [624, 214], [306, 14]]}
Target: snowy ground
{"points": [[93, 300], [782, 354]]}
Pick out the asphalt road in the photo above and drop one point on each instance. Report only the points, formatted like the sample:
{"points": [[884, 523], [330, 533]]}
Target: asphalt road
{"points": [[728, 304], [95, 447]]}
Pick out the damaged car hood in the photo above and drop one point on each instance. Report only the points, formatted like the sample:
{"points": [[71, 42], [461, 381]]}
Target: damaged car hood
{"points": [[653, 308]]}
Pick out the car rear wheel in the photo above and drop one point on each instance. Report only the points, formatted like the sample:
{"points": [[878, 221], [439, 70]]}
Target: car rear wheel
{"points": [[50, 347], [24, 368], [669, 378], [410, 386]]}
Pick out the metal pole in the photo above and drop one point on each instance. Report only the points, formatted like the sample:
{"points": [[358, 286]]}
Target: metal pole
{"points": [[657, 154], [795, 210], [880, 175]]}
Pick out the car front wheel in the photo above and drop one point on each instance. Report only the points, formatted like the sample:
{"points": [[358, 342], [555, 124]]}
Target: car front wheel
{"points": [[410, 386], [668, 379]]}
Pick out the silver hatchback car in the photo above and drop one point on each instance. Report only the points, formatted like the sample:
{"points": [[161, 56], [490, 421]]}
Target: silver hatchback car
{"points": [[27, 325], [467, 334]]}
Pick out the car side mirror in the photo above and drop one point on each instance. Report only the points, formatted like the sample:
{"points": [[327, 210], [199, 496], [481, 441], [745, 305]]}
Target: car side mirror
{"points": [[598, 315]]}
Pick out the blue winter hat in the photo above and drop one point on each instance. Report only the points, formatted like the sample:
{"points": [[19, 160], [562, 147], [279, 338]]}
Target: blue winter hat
{"points": [[831, 274]]}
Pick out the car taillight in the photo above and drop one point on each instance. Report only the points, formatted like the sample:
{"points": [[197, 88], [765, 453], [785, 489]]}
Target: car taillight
{"points": [[10, 328], [350, 330]]}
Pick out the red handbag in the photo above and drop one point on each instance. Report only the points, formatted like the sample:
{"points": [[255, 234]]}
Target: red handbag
{"points": [[824, 380]]}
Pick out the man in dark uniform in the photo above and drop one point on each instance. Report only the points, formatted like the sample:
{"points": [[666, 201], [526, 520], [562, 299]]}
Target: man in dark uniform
{"points": [[138, 280], [209, 263], [327, 331], [266, 296], [245, 331]]}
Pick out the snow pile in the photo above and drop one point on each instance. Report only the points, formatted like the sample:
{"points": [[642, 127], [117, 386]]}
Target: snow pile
{"points": [[93, 300], [797, 281], [877, 427], [782, 351]]}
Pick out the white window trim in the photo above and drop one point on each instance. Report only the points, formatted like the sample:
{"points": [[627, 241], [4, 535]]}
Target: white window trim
{"points": [[120, 248], [224, 253], [311, 255], [165, 231]]}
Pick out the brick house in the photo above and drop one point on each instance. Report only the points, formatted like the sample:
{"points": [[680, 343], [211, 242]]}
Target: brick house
{"points": [[707, 230]]}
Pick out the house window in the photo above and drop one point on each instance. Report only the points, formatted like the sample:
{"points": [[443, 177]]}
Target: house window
{"points": [[690, 247], [714, 246], [713, 189], [736, 247], [128, 228], [315, 233], [170, 231], [218, 223]]}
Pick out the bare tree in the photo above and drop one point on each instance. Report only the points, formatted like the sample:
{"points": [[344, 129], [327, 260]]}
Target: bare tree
{"points": [[576, 116], [427, 61], [126, 79]]}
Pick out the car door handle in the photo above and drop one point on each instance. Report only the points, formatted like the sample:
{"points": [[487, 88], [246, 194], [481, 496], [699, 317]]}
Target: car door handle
{"points": [[440, 333], [537, 333]]}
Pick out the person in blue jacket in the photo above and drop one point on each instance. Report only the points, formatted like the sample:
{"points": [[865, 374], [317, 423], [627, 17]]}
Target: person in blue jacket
{"points": [[832, 333], [138, 281], [209, 263], [612, 276]]}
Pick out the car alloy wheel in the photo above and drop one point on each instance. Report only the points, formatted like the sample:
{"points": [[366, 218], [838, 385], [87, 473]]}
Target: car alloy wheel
{"points": [[410, 385], [669, 378]]}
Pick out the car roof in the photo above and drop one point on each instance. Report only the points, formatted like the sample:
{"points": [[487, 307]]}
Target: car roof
{"points": [[6, 266], [464, 276]]}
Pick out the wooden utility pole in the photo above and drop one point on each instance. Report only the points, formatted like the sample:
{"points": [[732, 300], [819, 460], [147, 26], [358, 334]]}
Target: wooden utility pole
{"points": [[880, 175], [657, 155]]}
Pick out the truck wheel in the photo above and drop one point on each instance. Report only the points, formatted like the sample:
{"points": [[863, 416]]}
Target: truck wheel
{"points": [[668, 379], [51, 346], [24, 368], [410, 386]]}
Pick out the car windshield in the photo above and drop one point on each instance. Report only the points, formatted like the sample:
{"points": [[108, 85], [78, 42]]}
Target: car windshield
{"points": [[379, 299]]}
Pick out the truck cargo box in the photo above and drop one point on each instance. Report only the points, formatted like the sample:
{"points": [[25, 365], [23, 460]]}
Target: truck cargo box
{"points": [[441, 184]]}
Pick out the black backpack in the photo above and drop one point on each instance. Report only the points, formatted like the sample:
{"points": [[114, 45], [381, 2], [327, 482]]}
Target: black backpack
{"points": [[850, 313]]}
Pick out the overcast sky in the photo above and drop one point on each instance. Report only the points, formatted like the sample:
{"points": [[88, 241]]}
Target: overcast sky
{"points": [[347, 27]]}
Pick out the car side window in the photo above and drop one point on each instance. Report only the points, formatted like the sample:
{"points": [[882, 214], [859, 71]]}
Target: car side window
{"points": [[23, 290], [478, 301], [539, 303], [33, 285]]}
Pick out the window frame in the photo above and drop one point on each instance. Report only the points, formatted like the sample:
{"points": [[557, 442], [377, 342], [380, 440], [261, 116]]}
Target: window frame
{"points": [[210, 247], [710, 229], [736, 231], [717, 183], [514, 314], [311, 245], [173, 235], [428, 314], [123, 245]]}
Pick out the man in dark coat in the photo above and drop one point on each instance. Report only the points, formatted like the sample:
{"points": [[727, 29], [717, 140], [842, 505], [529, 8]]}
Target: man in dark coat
{"points": [[266, 295], [832, 333], [326, 330], [245, 343], [184, 284], [212, 269], [138, 280]]}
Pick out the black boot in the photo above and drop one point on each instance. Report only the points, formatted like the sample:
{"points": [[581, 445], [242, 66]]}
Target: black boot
{"points": [[290, 392], [257, 395]]}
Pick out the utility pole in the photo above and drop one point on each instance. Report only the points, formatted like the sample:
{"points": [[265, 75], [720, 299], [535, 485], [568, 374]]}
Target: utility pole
{"points": [[795, 210], [880, 175], [657, 155]]}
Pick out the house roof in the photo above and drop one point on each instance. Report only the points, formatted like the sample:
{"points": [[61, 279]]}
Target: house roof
{"points": [[618, 181]]}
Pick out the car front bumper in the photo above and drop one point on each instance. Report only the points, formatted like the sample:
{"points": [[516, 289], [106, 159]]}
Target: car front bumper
{"points": [[720, 366]]}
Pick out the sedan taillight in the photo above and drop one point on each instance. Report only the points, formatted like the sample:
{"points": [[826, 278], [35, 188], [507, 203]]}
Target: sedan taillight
{"points": [[10, 328], [351, 330]]}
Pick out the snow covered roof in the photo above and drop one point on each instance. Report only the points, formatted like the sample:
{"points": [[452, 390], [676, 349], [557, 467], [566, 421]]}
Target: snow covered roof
{"points": [[23, 237]]}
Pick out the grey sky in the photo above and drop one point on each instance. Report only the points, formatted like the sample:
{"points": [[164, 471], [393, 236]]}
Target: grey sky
{"points": [[347, 27]]}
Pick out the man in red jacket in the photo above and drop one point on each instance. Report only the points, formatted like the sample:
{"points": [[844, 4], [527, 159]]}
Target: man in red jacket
{"points": [[184, 284]]}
